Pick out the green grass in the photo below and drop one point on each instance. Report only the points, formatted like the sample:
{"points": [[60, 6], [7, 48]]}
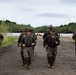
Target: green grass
{"points": [[8, 41]]}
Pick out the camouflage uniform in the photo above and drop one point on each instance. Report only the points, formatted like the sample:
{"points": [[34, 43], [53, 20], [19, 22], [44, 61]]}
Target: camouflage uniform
{"points": [[35, 38], [51, 48], [47, 33], [51, 55], [50, 28], [74, 37], [58, 36], [27, 44], [22, 35], [1, 38]]}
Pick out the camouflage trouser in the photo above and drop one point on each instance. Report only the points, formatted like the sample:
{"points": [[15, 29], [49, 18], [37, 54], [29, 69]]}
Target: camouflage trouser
{"points": [[51, 55], [22, 52], [75, 44], [33, 47], [1, 40], [27, 55], [43, 44]]}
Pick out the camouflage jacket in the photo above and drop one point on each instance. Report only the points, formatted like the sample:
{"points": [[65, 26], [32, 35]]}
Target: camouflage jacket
{"points": [[28, 40], [51, 42], [74, 36]]}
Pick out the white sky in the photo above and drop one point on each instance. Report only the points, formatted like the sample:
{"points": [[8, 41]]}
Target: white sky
{"points": [[38, 12]]}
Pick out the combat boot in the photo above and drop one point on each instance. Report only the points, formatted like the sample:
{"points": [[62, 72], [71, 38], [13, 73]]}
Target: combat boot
{"points": [[28, 66], [49, 65], [23, 64]]}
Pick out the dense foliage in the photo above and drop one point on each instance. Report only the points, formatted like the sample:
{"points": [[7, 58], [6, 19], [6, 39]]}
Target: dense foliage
{"points": [[68, 28], [14, 27], [4, 29]]}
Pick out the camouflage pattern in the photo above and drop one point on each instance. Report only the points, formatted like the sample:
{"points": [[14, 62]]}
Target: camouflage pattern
{"points": [[22, 54], [35, 38], [51, 55], [51, 42], [22, 35], [74, 37], [27, 53], [50, 28], [27, 42], [1, 38], [75, 45], [51, 51]]}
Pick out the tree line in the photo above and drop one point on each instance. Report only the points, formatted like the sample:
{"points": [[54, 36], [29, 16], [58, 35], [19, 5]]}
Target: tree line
{"points": [[15, 28]]}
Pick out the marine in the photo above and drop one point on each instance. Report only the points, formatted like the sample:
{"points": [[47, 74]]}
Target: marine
{"points": [[35, 38], [22, 35], [74, 37], [27, 43], [51, 41], [1, 38]]}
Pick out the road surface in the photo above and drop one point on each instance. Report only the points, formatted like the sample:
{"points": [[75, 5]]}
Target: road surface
{"points": [[65, 64]]}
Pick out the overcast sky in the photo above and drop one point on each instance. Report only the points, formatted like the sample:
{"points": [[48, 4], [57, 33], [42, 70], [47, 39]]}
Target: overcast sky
{"points": [[38, 12]]}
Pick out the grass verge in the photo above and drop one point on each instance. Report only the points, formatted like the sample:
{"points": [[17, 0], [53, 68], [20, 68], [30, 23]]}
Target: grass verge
{"points": [[8, 41]]}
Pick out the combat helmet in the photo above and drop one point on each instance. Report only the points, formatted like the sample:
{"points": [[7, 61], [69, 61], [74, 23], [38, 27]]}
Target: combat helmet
{"points": [[50, 27]]}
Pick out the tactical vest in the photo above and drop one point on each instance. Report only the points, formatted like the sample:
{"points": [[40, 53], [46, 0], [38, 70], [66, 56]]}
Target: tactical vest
{"points": [[28, 41]]}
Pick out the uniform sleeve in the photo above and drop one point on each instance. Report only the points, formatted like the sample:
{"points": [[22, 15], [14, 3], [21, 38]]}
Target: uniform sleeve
{"points": [[35, 37], [57, 39], [19, 39], [46, 41], [74, 36], [33, 40], [23, 40], [44, 35]]}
